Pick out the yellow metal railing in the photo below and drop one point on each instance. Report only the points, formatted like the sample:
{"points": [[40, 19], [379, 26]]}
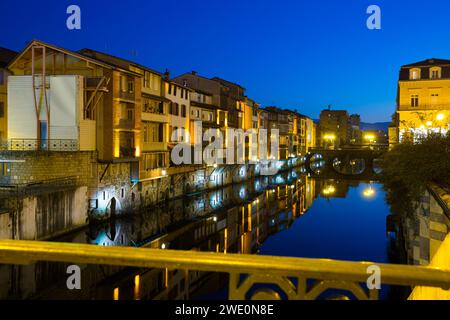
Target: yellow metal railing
{"points": [[289, 274], [440, 259]]}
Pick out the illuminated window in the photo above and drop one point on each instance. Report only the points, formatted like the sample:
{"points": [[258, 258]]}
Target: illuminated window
{"points": [[414, 74]]}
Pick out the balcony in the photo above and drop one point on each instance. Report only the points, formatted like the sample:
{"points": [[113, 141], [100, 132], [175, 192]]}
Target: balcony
{"points": [[156, 108], [127, 152], [39, 145], [424, 107], [126, 95]]}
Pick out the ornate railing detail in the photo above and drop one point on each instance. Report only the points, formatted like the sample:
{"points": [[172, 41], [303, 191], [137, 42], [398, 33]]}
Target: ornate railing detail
{"points": [[39, 145], [262, 277]]}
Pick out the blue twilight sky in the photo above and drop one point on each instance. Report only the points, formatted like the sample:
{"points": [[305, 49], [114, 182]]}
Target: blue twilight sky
{"points": [[296, 54]]}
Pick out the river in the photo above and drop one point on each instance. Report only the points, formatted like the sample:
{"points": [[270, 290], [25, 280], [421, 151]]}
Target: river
{"points": [[290, 214]]}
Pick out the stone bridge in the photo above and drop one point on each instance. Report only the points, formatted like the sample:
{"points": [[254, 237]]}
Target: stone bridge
{"points": [[345, 155]]}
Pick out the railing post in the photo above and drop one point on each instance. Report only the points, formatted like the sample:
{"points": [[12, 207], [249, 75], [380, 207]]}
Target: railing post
{"points": [[233, 286]]}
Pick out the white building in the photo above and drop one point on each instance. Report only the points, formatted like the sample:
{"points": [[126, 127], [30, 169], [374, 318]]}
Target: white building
{"points": [[50, 118]]}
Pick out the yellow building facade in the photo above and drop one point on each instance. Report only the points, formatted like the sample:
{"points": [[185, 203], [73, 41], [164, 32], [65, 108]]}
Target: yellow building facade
{"points": [[423, 100]]}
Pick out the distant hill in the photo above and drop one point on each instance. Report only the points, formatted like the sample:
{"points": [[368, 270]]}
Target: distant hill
{"points": [[382, 126]]}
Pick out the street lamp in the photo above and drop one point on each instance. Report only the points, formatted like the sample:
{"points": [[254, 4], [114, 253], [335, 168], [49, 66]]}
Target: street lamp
{"points": [[440, 117]]}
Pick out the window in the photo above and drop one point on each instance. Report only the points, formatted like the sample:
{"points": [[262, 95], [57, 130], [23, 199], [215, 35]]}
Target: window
{"points": [[175, 134], [435, 73], [130, 86], [2, 109], [2, 78], [174, 90], [154, 161], [183, 111], [414, 74], [147, 79], [130, 114], [169, 90], [174, 108], [153, 132], [414, 100]]}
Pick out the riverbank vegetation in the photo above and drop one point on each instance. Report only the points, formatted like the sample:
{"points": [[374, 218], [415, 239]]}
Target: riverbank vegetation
{"points": [[409, 167]]}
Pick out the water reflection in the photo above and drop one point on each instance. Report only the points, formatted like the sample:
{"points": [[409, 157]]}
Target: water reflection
{"points": [[235, 219], [349, 166]]}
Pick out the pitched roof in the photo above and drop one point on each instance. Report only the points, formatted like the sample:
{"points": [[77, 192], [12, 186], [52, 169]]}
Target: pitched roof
{"points": [[69, 52], [119, 62], [428, 62], [6, 55], [226, 82]]}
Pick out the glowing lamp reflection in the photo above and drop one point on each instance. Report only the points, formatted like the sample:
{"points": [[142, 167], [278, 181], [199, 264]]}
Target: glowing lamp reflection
{"points": [[369, 193], [329, 190]]}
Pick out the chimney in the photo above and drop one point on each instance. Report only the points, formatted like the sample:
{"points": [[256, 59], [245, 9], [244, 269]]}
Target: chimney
{"points": [[167, 74]]}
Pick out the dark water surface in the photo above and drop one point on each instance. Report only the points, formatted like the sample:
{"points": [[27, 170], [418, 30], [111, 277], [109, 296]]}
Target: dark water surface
{"points": [[289, 214]]}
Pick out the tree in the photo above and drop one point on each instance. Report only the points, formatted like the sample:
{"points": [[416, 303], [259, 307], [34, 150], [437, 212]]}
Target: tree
{"points": [[409, 167]]}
